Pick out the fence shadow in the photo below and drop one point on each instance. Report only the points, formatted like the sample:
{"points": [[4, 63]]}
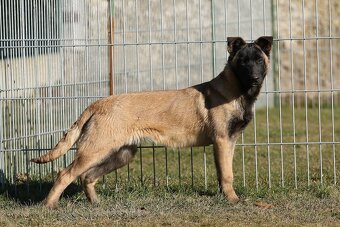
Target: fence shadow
{"points": [[34, 192], [189, 189]]}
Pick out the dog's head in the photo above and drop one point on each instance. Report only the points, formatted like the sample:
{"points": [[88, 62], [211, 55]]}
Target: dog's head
{"points": [[249, 61]]}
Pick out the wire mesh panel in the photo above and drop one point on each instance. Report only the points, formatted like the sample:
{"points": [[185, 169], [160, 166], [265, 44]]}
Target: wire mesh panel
{"points": [[307, 97], [53, 63], [58, 56]]}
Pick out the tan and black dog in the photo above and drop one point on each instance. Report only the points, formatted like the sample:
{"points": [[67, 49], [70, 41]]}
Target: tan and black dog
{"points": [[214, 112]]}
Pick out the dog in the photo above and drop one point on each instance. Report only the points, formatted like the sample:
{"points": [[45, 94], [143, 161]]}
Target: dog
{"points": [[214, 112]]}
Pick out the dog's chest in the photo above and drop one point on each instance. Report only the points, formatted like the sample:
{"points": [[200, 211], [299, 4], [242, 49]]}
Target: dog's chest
{"points": [[239, 120]]}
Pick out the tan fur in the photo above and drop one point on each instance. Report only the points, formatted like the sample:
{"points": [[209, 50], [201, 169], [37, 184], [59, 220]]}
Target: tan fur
{"points": [[67, 141], [109, 129]]}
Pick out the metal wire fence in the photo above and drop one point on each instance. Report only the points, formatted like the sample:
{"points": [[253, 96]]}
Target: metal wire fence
{"points": [[58, 56]]}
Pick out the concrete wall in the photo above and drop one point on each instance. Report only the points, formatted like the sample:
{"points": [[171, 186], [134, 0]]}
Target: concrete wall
{"points": [[309, 50], [183, 50], [175, 59]]}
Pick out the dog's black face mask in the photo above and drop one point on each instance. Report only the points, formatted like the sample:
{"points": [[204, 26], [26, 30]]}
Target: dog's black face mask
{"points": [[249, 61]]}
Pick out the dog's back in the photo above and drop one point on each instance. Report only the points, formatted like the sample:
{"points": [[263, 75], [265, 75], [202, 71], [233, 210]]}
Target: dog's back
{"points": [[172, 118]]}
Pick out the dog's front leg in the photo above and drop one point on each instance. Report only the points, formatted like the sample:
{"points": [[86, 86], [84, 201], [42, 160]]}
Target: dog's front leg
{"points": [[223, 153]]}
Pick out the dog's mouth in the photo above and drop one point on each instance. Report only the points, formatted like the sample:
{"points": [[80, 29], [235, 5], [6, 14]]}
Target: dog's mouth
{"points": [[255, 81], [252, 82]]}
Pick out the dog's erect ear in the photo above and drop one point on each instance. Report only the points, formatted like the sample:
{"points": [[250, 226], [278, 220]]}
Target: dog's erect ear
{"points": [[265, 43], [234, 44]]}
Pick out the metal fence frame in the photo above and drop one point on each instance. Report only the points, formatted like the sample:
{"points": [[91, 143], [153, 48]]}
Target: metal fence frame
{"points": [[117, 42]]}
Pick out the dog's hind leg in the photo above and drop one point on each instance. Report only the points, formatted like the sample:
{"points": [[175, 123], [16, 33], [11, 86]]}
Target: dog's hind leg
{"points": [[84, 160], [116, 160], [65, 177]]}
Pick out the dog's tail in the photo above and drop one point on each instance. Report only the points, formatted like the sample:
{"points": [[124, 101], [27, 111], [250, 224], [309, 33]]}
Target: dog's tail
{"points": [[68, 140]]}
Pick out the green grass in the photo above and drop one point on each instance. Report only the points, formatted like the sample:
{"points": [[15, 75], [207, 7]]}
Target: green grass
{"points": [[129, 199]]}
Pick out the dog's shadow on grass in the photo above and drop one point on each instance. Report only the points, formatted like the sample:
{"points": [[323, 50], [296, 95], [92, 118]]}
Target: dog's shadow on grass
{"points": [[34, 192]]}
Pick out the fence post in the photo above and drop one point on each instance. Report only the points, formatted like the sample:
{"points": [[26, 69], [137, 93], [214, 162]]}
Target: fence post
{"points": [[213, 34], [111, 42], [2, 156], [2, 168], [275, 53]]}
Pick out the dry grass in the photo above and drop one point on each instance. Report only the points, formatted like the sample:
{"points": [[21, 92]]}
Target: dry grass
{"points": [[145, 207]]}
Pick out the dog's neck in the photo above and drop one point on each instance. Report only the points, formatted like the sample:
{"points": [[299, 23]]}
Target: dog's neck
{"points": [[226, 84]]}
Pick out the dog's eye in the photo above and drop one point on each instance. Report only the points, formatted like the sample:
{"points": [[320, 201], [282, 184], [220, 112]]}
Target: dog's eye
{"points": [[259, 61]]}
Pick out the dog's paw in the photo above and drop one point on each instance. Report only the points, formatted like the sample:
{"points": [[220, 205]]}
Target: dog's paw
{"points": [[95, 201], [233, 198], [50, 205]]}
